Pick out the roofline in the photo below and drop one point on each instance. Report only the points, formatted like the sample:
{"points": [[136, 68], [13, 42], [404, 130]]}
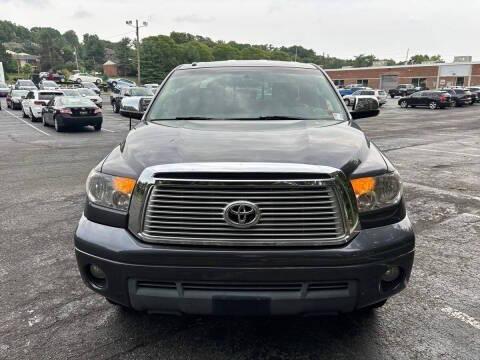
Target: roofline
{"points": [[406, 66]]}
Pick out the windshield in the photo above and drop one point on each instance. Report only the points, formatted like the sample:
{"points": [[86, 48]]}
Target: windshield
{"points": [[141, 92], [49, 83], [247, 93], [87, 92], [26, 83], [48, 95], [19, 93], [71, 92], [89, 85], [3, 85], [76, 101]]}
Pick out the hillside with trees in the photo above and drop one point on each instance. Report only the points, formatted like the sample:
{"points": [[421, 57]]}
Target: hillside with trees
{"points": [[159, 54]]}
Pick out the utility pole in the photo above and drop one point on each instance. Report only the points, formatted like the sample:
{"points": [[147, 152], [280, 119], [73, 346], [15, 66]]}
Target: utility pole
{"points": [[137, 45], [406, 58]]}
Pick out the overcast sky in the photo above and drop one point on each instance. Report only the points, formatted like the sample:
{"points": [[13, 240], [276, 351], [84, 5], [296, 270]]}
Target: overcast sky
{"points": [[341, 28]]}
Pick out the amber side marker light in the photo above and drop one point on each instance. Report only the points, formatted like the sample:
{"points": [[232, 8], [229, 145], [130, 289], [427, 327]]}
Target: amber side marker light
{"points": [[123, 185], [363, 186]]}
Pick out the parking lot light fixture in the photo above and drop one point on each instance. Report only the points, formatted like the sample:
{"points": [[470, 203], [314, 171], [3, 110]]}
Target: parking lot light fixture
{"points": [[137, 44]]}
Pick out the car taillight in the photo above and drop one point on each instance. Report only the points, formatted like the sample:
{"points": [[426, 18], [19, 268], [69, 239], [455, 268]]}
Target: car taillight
{"points": [[39, 103], [97, 111], [65, 111]]}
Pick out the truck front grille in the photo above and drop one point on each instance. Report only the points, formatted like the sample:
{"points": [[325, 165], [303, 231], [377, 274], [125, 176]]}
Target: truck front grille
{"points": [[291, 212]]}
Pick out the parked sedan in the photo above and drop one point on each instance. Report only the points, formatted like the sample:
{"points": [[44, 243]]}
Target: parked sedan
{"points": [[381, 96], [90, 94], [118, 83], [63, 112], [428, 98], [4, 89], [83, 77], [91, 86], [48, 85], [25, 85], [15, 98], [35, 101]]}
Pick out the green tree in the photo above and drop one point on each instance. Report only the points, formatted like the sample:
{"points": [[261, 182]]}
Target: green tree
{"points": [[253, 53], [93, 52], [363, 60], [125, 57], [194, 51], [225, 52], [50, 43], [159, 56]]}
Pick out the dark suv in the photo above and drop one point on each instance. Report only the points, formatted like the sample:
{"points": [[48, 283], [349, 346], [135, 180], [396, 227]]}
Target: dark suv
{"points": [[432, 99], [246, 189]]}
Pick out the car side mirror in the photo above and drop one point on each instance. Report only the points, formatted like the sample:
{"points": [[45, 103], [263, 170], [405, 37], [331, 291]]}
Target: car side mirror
{"points": [[365, 106], [127, 94]]}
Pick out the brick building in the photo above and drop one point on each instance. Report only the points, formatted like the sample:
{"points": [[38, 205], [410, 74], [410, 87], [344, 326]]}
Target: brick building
{"points": [[430, 75]]}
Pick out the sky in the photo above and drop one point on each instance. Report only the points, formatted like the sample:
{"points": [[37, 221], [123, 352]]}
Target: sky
{"points": [[341, 28]]}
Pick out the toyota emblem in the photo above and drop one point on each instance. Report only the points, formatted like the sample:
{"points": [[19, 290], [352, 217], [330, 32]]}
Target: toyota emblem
{"points": [[241, 214]]}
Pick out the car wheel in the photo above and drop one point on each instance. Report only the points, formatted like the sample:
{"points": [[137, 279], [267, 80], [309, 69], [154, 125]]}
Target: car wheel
{"points": [[432, 105], [116, 108], [78, 81], [32, 118], [98, 82], [392, 96], [43, 121], [97, 127], [404, 104], [24, 114], [114, 84], [58, 128]]}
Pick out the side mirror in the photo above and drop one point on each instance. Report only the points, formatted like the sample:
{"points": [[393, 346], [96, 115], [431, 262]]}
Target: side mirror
{"points": [[126, 94], [365, 106]]}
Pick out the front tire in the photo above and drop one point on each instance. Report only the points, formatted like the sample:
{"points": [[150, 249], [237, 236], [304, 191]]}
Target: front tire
{"points": [[24, 114], [116, 108], [58, 127], [97, 127], [432, 105], [78, 81], [32, 117], [404, 104], [43, 121]]}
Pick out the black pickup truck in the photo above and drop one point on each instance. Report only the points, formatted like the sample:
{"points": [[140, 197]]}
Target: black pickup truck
{"points": [[247, 188], [403, 90]]}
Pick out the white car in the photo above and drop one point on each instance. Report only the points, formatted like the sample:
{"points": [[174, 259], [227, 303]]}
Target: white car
{"points": [[381, 96], [81, 77], [90, 94], [34, 102], [153, 87]]}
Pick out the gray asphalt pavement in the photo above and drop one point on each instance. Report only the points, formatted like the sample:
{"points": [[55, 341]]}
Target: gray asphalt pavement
{"points": [[47, 313]]}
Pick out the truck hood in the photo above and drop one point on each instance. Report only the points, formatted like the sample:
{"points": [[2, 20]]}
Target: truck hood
{"points": [[339, 145]]}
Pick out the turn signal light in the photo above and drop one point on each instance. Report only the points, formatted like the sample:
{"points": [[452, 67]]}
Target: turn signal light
{"points": [[124, 185], [363, 186]]}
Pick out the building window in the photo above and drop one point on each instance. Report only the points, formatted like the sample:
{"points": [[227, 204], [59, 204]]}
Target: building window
{"points": [[419, 82], [362, 82], [460, 81], [339, 83]]}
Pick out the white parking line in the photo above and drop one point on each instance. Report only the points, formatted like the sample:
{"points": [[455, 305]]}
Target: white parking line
{"points": [[467, 319], [33, 127], [103, 129]]}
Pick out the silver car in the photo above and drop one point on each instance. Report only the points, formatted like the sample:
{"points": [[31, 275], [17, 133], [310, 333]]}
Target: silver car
{"points": [[135, 101], [90, 94]]}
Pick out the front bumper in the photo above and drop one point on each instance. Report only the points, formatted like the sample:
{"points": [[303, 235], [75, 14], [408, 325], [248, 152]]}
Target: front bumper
{"points": [[189, 280]]}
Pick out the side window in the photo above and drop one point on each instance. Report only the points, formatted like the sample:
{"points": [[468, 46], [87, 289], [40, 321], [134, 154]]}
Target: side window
{"points": [[30, 95], [418, 94]]}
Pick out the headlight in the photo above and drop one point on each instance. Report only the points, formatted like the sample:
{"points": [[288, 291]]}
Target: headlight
{"points": [[377, 192], [110, 191]]}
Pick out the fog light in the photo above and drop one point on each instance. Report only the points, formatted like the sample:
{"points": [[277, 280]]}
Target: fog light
{"points": [[97, 273], [392, 274]]}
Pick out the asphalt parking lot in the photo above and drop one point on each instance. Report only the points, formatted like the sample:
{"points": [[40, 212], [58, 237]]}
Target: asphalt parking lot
{"points": [[47, 313]]}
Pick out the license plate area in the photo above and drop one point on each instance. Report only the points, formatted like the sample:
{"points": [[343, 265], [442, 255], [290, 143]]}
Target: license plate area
{"points": [[241, 305]]}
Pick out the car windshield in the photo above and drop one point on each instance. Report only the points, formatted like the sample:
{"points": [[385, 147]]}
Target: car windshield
{"points": [[3, 85], [89, 85], [86, 92], [48, 95], [26, 83], [19, 93], [71, 92], [141, 92], [247, 94], [49, 83], [76, 101], [460, 91]]}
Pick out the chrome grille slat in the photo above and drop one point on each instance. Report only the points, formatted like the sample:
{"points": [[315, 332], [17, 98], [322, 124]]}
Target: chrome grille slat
{"points": [[191, 212]]}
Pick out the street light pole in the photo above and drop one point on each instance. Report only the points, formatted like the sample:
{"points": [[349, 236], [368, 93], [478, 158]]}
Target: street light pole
{"points": [[137, 45]]}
